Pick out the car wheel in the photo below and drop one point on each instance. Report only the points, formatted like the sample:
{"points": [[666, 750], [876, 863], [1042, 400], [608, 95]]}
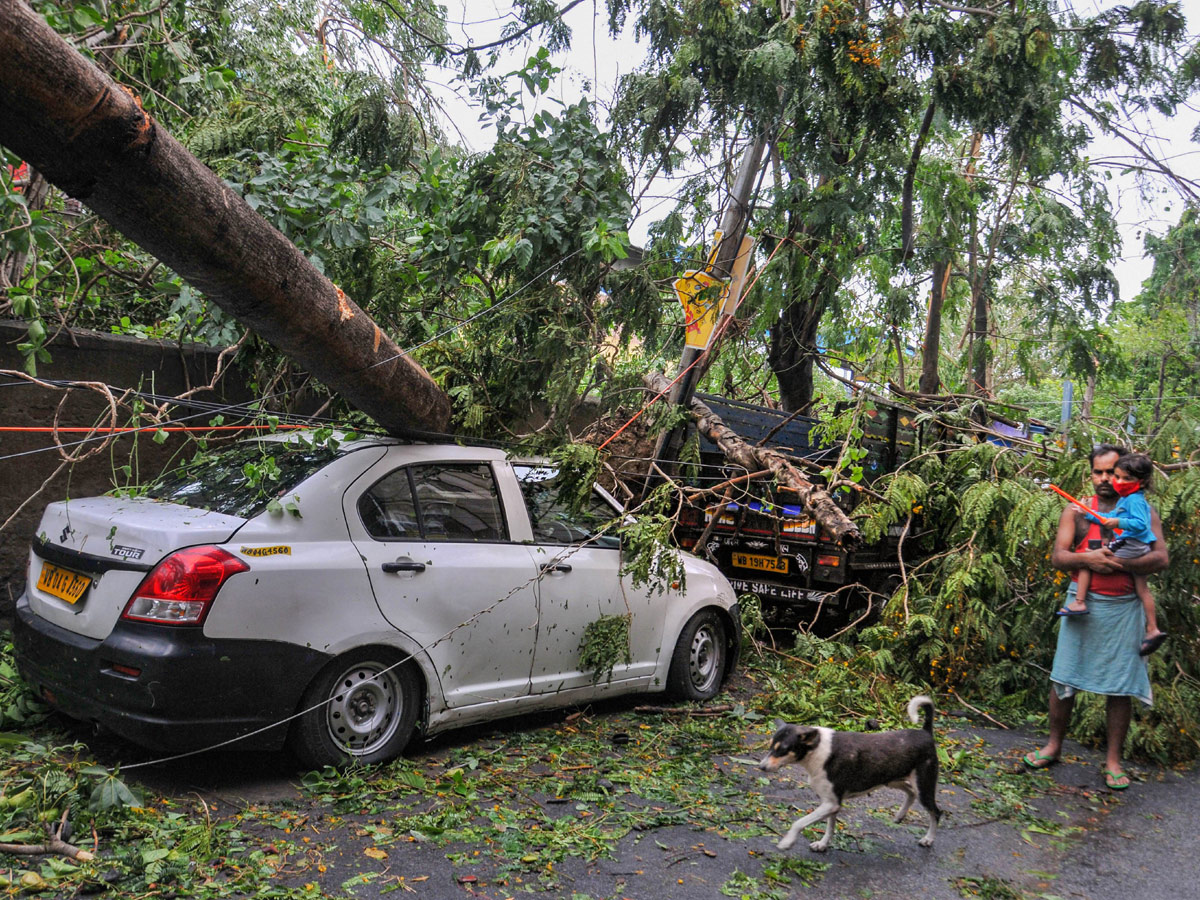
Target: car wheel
{"points": [[698, 663], [361, 708]]}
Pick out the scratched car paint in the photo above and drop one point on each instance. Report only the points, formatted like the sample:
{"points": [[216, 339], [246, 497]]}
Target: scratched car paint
{"points": [[339, 598]]}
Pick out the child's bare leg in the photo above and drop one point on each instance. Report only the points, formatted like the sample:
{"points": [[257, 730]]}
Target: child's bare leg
{"points": [[1079, 602], [1142, 587]]}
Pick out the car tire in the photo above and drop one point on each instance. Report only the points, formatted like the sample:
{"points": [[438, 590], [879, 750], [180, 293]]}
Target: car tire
{"points": [[698, 663], [361, 708]]}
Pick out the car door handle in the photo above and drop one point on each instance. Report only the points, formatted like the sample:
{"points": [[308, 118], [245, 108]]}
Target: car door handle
{"points": [[551, 568], [403, 566]]}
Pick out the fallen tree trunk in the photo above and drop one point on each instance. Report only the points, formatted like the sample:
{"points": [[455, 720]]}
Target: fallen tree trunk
{"points": [[90, 137], [815, 499]]}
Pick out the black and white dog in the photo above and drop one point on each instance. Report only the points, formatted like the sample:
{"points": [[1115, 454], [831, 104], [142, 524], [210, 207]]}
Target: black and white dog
{"points": [[844, 764]]}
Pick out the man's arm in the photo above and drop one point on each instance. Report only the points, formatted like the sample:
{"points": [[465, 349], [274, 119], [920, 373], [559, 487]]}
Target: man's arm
{"points": [[1157, 559], [1065, 558]]}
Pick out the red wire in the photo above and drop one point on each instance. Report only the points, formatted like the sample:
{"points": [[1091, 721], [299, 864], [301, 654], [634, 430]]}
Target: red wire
{"points": [[43, 429]]}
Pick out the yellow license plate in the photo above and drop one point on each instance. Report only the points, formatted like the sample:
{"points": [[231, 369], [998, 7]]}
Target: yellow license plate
{"points": [[761, 563], [62, 583]]}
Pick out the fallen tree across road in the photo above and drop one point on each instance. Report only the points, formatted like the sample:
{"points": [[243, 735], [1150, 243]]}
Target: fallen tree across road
{"points": [[90, 137]]}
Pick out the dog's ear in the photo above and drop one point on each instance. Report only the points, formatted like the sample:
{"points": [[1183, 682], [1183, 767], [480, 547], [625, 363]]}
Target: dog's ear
{"points": [[779, 723]]}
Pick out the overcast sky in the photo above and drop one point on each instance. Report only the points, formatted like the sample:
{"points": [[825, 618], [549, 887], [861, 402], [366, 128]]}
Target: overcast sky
{"points": [[596, 62]]}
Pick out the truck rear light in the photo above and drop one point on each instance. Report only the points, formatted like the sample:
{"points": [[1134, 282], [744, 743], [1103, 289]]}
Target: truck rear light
{"points": [[180, 589], [829, 560]]}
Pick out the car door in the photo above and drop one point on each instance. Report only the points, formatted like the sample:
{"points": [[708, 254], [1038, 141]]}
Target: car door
{"points": [[579, 557], [435, 543]]}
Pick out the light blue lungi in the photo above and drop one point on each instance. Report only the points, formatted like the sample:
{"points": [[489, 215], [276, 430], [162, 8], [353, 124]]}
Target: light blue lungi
{"points": [[1099, 652]]}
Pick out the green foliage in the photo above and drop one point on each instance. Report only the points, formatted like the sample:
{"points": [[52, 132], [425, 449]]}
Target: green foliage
{"points": [[975, 612], [777, 879], [904, 139], [19, 706], [754, 624], [578, 470], [521, 235], [904, 495], [605, 644], [668, 772], [648, 557]]}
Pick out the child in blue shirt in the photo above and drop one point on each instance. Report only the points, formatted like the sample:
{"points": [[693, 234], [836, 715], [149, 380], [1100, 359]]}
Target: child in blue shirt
{"points": [[1131, 476]]}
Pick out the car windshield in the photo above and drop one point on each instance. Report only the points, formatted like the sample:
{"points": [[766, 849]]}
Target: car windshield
{"points": [[243, 480], [553, 519]]}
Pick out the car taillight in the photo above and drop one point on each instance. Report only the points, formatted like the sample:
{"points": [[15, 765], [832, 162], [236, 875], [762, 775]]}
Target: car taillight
{"points": [[829, 560], [180, 589]]}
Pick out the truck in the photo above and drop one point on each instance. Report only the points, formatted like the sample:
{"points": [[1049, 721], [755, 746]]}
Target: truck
{"points": [[765, 543]]}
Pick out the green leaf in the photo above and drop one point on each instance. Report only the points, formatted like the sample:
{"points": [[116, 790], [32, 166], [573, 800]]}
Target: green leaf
{"points": [[111, 792]]}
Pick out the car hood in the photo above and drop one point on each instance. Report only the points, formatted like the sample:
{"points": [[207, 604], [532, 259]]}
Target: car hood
{"points": [[114, 541]]}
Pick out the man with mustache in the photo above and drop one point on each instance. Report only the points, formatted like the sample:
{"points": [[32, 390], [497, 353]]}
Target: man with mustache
{"points": [[1099, 652]]}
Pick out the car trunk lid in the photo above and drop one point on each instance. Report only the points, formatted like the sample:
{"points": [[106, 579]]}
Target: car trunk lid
{"points": [[91, 554]]}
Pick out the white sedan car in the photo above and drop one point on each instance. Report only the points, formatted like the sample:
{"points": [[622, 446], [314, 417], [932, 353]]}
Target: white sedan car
{"points": [[337, 598]]}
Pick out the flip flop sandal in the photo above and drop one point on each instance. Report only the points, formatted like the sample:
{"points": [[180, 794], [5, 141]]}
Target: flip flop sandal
{"points": [[1150, 644], [1113, 780], [1036, 760], [1072, 612]]}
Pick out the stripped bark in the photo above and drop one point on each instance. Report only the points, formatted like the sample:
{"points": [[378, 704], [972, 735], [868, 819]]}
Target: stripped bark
{"points": [[90, 137], [815, 499]]}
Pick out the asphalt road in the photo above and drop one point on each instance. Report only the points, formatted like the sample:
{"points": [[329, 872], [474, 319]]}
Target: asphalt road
{"points": [[1140, 843]]}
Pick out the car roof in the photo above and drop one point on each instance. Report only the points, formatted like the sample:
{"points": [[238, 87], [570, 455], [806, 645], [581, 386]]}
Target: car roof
{"points": [[362, 441]]}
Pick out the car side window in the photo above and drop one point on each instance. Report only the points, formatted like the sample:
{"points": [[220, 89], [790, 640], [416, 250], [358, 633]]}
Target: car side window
{"points": [[388, 510], [553, 521], [440, 501]]}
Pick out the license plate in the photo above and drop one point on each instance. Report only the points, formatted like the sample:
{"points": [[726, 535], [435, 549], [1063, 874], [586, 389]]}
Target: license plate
{"points": [[62, 583], [761, 563]]}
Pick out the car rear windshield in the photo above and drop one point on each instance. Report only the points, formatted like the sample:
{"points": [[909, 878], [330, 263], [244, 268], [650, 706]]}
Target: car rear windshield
{"points": [[243, 480]]}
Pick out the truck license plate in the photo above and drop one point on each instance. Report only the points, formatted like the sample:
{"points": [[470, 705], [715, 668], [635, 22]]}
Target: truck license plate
{"points": [[62, 583], [761, 563]]}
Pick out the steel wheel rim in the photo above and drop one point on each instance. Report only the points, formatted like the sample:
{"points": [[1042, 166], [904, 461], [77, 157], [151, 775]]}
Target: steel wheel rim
{"points": [[364, 708], [704, 659]]}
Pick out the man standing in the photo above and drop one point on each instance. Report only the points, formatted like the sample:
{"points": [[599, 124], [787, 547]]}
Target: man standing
{"points": [[1099, 652]]}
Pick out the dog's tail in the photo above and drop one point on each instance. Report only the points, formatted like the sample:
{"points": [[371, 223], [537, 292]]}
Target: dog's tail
{"points": [[914, 707]]}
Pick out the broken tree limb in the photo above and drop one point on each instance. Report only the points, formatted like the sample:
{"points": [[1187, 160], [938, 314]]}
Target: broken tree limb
{"points": [[815, 499], [54, 844], [53, 847], [719, 710], [90, 137]]}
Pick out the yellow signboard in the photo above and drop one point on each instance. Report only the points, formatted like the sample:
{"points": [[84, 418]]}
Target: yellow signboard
{"points": [[700, 306]]}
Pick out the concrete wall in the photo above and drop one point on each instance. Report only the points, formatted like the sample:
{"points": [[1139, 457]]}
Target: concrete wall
{"points": [[156, 366]]}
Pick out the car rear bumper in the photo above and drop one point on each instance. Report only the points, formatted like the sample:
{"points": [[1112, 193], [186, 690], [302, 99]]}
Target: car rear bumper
{"points": [[188, 692]]}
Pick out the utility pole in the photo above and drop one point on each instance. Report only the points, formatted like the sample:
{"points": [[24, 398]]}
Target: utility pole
{"points": [[734, 222]]}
